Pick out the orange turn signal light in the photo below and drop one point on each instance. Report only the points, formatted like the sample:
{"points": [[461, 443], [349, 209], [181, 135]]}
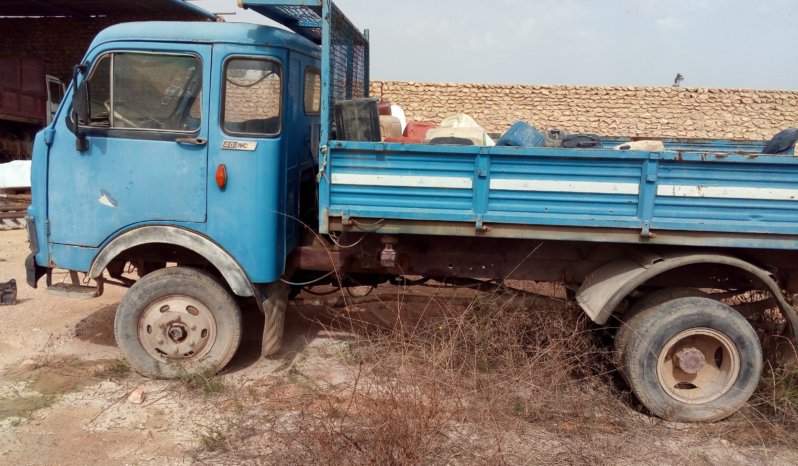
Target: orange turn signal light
{"points": [[221, 176]]}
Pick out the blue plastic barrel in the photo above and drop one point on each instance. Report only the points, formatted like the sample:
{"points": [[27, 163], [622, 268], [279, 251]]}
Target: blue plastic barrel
{"points": [[522, 134]]}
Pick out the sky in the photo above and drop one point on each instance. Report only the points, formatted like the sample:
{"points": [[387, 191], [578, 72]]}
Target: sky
{"points": [[713, 43]]}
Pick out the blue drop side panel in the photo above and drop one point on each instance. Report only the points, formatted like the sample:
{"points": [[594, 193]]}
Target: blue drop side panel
{"points": [[694, 165], [402, 202], [740, 215], [530, 206]]}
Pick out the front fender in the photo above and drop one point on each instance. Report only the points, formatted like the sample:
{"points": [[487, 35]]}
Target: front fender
{"points": [[230, 269]]}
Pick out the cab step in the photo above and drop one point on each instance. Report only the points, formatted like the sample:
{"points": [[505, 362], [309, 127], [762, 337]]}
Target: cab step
{"points": [[68, 290], [75, 289]]}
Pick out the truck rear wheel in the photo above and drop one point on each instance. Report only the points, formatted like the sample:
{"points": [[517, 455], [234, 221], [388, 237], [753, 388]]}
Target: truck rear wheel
{"points": [[176, 321], [626, 325], [692, 359]]}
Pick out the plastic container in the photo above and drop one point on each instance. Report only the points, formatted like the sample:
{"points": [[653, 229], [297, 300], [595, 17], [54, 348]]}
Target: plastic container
{"points": [[384, 107], [522, 134], [390, 127], [554, 138], [461, 120], [475, 135], [418, 129], [398, 112], [357, 120]]}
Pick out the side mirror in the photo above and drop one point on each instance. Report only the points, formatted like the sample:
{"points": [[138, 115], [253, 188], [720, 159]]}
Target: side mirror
{"points": [[81, 113], [80, 105]]}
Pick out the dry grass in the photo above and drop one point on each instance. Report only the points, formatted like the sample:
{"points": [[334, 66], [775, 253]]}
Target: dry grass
{"points": [[449, 381], [485, 378]]}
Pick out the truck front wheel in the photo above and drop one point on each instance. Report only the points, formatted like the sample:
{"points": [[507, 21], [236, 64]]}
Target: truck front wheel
{"points": [[176, 321], [692, 359]]}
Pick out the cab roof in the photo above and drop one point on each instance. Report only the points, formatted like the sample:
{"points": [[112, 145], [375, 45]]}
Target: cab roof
{"points": [[210, 33]]}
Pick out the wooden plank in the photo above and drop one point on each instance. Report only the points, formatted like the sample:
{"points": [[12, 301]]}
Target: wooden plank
{"points": [[15, 197], [13, 207], [8, 215]]}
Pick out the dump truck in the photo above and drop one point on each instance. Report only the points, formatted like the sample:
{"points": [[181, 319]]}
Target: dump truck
{"points": [[203, 159], [29, 98]]}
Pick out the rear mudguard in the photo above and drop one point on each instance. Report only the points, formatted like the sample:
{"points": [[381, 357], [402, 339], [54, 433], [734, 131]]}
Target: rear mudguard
{"points": [[604, 289]]}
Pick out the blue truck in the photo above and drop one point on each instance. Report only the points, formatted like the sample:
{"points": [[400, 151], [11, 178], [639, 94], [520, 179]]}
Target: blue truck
{"points": [[204, 157]]}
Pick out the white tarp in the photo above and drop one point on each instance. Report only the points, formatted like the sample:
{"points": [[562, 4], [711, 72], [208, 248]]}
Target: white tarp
{"points": [[15, 175]]}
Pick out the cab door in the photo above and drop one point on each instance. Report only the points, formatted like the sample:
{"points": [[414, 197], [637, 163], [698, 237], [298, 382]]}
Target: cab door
{"points": [[55, 93], [246, 213], [147, 156]]}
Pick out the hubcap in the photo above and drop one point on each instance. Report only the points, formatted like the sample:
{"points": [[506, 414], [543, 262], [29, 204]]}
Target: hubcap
{"points": [[698, 366], [177, 328]]}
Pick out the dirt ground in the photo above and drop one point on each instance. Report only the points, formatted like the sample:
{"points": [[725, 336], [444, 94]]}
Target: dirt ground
{"points": [[64, 399]]}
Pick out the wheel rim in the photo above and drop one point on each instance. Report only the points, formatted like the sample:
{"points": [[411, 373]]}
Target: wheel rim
{"points": [[698, 366], [177, 328]]}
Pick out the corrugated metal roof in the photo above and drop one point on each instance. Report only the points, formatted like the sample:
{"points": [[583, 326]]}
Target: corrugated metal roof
{"points": [[85, 8]]}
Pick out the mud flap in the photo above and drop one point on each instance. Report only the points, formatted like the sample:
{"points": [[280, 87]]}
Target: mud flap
{"points": [[33, 271], [273, 302]]}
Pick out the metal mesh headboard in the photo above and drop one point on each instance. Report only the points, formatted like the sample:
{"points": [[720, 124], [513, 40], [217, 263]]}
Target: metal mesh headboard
{"points": [[349, 60], [346, 66], [345, 49]]}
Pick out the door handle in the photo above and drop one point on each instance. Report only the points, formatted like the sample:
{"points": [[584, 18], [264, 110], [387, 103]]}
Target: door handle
{"points": [[192, 141]]}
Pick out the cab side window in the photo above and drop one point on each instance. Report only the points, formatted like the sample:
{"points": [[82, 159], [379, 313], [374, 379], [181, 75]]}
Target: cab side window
{"points": [[252, 97], [312, 91], [99, 85], [144, 91]]}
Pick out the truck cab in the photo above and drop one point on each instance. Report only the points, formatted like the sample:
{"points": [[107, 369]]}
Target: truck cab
{"points": [[198, 131]]}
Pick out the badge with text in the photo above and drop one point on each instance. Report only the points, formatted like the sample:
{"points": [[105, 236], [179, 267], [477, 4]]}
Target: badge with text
{"points": [[249, 146]]}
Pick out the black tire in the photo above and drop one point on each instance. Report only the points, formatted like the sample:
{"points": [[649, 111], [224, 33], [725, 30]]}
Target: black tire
{"points": [[626, 323], [274, 307], [216, 337], [739, 366]]}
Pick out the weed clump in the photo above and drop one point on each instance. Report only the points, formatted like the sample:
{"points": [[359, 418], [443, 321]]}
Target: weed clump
{"points": [[119, 369], [206, 382], [214, 439]]}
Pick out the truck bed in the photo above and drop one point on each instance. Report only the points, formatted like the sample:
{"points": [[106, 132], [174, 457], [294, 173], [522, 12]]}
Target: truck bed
{"points": [[695, 193]]}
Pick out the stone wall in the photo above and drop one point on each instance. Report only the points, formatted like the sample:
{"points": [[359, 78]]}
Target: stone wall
{"points": [[259, 101], [609, 111]]}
